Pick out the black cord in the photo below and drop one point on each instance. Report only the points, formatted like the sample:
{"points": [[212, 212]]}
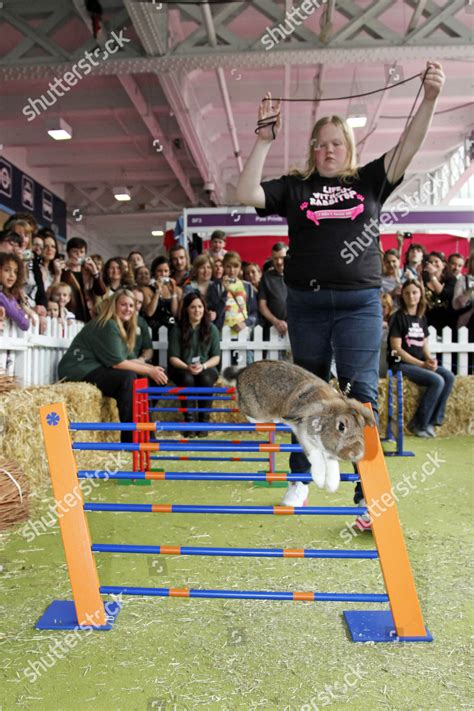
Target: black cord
{"points": [[345, 98]]}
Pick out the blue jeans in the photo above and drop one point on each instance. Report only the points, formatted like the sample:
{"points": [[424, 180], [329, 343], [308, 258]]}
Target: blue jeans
{"points": [[433, 402], [346, 324]]}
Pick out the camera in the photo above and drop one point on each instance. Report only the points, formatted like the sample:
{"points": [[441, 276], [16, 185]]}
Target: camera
{"points": [[165, 280], [81, 261], [209, 188], [27, 255], [232, 280], [405, 235]]}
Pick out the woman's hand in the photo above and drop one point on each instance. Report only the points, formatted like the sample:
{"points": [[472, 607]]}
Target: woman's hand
{"points": [[58, 266], [212, 315], [431, 269], [266, 110], [195, 368], [158, 374], [431, 364], [434, 81]]}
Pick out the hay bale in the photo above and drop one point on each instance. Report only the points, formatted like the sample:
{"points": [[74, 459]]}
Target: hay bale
{"points": [[14, 494], [22, 438], [7, 382]]}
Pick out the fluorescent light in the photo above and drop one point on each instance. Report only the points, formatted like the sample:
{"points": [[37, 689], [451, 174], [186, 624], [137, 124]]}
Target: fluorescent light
{"points": [[357, 121], [122, 194], [157, 233], [357, 117], [60, 130]]}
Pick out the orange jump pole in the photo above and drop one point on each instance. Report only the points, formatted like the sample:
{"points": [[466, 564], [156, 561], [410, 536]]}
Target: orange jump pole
{"points": [[86, 609], [404, 621]]}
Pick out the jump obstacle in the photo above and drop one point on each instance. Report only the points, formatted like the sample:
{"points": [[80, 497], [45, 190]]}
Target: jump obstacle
{"points": [[389, 437], [403, 622], [142, 394]]}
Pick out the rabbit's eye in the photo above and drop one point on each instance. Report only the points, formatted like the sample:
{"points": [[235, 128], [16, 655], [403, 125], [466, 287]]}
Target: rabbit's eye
{"points": [[341, 427]]}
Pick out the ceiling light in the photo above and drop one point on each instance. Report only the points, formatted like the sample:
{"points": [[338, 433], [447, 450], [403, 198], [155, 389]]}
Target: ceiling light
{"points": [[59, 129], [122, 193], [357, 116], [157, 233]]}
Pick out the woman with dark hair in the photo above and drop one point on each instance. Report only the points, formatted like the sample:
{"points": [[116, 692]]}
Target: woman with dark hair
{"points": [[333, 266], [102, 353], [391, 279], [439, 292], [194, 350], [44, 272], [162, 308], [408, 351], [114, 276], [414, 257]]}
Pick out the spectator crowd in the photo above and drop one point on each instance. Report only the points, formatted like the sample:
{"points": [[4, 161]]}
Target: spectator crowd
{"points": [[193, 300]]}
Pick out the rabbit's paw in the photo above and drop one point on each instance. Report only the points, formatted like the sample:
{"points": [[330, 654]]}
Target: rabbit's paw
{"points": [[333, 476], [318, 468]]}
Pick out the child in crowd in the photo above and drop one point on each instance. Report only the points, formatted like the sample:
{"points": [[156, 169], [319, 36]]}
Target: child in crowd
{"points": [[11, 299], [408, 351], [53, 309], [61, 293]]}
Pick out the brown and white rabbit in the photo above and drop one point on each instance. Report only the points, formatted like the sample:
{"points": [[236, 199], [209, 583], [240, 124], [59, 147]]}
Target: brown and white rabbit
{"points": [[328, 425]]}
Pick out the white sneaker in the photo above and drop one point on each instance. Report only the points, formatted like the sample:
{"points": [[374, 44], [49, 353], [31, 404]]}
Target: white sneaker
{"points": [[296, 495]]}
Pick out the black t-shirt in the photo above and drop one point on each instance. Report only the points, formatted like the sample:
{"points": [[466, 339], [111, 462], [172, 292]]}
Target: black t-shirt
{"points": [[273, 289], [332, 226], [412, 330]]}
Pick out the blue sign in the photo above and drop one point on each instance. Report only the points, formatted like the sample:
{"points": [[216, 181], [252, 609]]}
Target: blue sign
{"points": [[19, 192]]}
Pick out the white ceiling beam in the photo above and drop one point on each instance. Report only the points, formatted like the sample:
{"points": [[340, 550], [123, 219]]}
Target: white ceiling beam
{"points": [[417, 13], [436, 19], [454, 190], [210, 59], [366, 18], [138, 100]]}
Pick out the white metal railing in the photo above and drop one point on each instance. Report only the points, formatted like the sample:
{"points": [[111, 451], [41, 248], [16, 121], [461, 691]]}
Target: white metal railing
{"points": [[33, 358]]}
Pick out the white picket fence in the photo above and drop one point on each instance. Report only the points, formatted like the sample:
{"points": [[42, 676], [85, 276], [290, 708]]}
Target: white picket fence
{"points": [[34, 358]]}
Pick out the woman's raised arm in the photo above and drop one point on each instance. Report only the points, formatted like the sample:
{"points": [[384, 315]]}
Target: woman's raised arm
{"points": [[399, 158], [249, 190]]}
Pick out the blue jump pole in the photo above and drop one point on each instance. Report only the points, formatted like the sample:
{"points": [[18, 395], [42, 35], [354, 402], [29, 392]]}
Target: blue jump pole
{"points": [[179, 447], [399, 452], [181, 426], [244, 594], [239, 510], [235, 552], [201, 476]]}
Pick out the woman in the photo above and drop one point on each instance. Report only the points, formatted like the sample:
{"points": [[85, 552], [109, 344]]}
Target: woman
{"points": [[163, 307], [194, 351], [45, 272], [462, 304], [414, 258], [233, 300], [201, 275], [333, 294], [439, 292], [143, 280], [391, 279], [218, 271], [114, 276], [102, 354], [409, 352], [253, 274]]}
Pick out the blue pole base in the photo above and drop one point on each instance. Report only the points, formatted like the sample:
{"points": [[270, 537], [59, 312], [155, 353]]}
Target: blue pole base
{"points": [[399, 454], [377, 626], [61, 615]]}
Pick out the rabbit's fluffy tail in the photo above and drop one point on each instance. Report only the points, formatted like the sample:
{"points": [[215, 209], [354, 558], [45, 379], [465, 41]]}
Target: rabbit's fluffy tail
{"points": [[231, 374]]}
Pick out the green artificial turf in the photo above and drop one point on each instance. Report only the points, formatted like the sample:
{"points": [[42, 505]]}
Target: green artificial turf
{"points": [[222, 654]]}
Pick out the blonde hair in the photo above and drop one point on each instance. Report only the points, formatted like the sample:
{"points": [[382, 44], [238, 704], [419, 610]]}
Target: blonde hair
{"points": [[128, 332], [60, 285], [350, 169], [199, 262]]}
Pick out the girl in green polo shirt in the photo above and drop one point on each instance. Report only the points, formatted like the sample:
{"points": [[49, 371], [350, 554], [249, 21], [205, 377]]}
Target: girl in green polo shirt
{"points": [[194, 350], [102, 353]]}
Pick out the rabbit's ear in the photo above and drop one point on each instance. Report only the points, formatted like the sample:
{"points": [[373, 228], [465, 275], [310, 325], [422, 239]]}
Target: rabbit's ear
{"points": [[360, 410]]}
